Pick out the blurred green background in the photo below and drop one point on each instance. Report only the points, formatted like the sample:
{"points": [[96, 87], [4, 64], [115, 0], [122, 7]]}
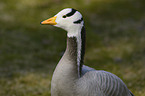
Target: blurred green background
{"points": [[29, 51]]}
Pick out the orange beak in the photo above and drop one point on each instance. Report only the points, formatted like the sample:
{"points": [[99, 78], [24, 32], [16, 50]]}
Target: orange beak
{"points": [[50, 21]]}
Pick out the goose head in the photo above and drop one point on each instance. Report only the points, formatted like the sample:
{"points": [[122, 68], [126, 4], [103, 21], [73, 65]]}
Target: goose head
{"points": [[68, 19]]}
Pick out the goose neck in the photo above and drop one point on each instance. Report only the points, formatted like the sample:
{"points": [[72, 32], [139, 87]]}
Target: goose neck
{"points": [[76, 48]]}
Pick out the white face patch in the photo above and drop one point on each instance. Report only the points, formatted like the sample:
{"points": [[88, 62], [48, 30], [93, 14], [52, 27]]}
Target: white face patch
{"points": [[67, 23]]}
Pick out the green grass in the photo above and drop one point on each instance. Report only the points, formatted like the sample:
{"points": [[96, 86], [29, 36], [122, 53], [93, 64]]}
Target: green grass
{"points": [[29, 51]]}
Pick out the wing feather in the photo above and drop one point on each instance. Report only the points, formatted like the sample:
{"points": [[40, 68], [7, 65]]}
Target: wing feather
{"points": [[108, 83]]}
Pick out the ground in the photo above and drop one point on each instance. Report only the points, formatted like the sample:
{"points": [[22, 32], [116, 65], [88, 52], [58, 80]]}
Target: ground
{"points": [[29, 51]]}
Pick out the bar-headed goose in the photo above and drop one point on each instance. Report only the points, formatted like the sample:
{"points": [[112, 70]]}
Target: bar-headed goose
{"points": [[71, 77]]}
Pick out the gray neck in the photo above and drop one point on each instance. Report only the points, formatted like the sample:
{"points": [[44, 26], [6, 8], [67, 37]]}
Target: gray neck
{"points": [[69, 67], [76, 54]]}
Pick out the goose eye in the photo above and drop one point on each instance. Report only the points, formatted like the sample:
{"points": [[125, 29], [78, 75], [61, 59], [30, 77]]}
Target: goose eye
{"points": [[64, 16]]}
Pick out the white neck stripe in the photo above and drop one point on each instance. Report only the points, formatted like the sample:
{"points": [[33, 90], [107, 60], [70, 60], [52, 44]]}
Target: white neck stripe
{"points": [[79, 45]]}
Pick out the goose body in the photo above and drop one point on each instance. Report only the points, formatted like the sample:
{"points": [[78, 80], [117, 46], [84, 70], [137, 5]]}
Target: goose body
{"points": [[71, 77]]}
